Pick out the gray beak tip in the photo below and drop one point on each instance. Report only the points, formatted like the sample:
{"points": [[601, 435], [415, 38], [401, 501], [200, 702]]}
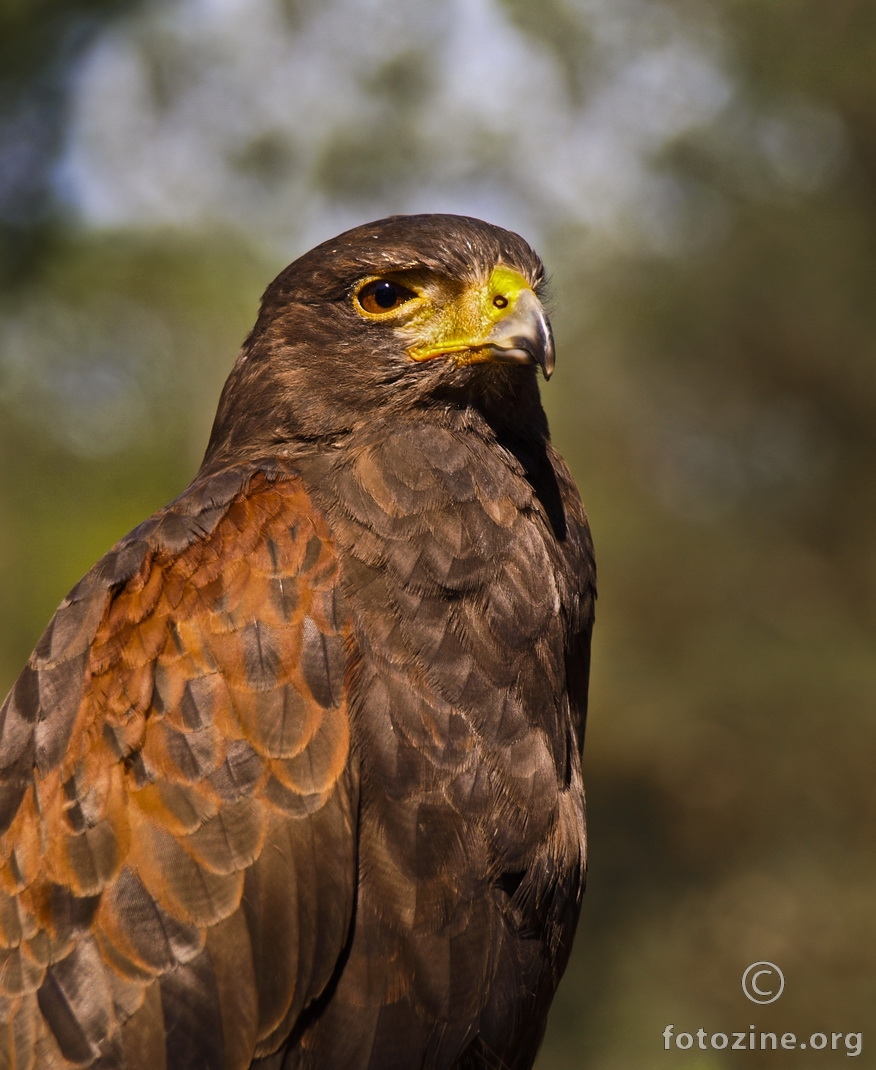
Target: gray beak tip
{"points": [[525, 336]]}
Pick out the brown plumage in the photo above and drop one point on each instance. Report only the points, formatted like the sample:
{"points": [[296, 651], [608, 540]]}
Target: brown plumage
{"points": [[292, 779]]}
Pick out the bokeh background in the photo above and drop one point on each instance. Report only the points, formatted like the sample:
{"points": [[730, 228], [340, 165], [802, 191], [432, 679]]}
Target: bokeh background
{"points": [[701, 179]]}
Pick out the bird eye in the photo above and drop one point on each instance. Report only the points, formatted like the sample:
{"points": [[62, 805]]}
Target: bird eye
{"points": [[500, 301], [382, 295]]}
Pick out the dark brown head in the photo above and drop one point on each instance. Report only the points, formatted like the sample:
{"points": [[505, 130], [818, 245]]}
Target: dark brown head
{"points": [[406, 313]]}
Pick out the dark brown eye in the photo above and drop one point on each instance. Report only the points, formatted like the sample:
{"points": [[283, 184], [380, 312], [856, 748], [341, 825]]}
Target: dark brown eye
{"points": [[500, 301], [383, 295]]}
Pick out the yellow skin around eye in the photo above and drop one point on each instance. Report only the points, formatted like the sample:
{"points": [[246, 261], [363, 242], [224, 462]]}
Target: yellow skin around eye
{"points": [[458, 328]]}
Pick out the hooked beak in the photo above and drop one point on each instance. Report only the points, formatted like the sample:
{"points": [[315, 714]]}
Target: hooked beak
{"points": [[524, 336]]}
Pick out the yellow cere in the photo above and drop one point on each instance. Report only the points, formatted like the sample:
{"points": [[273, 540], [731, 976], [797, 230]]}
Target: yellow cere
{"points": [[507, 283], [462, 324]]}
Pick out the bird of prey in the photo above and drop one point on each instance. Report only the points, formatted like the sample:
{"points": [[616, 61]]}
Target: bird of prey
{"points": [[292, 780]]}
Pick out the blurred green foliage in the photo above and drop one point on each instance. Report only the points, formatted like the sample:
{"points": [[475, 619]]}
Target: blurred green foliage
{"points": [[716, 399], [40, 42]]}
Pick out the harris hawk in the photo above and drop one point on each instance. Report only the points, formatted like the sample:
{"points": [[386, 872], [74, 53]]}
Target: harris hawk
{"points": [[293, 777]]}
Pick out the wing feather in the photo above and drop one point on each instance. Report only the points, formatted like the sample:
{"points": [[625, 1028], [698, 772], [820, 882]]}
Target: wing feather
{"points": [[177, 800]]}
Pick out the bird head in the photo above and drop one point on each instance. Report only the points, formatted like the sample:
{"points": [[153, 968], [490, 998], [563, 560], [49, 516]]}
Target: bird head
{"points": [[385, 319], [462, 321]]}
